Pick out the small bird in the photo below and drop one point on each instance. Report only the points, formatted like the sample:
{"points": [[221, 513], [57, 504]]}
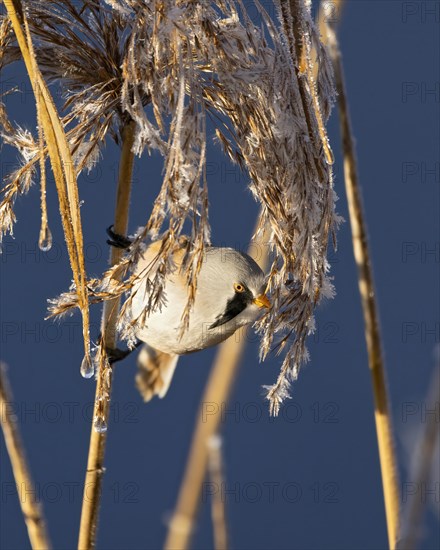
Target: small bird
{"points": [[230, 294]]}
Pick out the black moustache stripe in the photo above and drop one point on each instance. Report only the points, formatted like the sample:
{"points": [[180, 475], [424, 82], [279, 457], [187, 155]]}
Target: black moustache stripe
{"points": [[234, 307]]}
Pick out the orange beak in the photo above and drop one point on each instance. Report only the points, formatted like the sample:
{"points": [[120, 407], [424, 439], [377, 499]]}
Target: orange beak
{"points": [[262, 301]]}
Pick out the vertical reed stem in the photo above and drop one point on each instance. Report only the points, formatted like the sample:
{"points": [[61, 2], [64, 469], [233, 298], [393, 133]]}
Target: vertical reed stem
{"points": [[32, 510], [421, 472], [95, 463], [216, 474], [384, 427]]}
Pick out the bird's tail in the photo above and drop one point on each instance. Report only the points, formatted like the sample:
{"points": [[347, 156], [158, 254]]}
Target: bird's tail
{"points": [[156, 370]]}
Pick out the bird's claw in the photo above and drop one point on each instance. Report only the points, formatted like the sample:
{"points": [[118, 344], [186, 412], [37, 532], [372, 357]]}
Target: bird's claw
{"points": [[116, 240], [115, 354]]}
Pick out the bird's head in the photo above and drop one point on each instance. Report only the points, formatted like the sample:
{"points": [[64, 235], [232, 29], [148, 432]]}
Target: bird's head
{"points": [[234, 287]]}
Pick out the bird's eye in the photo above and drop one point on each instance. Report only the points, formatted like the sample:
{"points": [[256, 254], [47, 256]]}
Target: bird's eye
{"points": [[238, 287]]}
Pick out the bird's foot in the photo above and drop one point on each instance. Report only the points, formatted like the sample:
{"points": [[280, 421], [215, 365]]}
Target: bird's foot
{"points": [[116, 240], [115, 355]]}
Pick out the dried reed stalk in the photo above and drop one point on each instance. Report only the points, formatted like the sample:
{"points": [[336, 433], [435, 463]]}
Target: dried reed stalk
{"points": [[217, 391], [61, 160], [32, 510], [98, 437], [216, 474], [384, 427]]}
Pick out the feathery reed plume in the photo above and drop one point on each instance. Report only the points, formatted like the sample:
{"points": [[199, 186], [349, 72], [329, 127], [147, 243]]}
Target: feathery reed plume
{"points": [[382, 412], [312, 178], [215, 468], [424, 453], [32, 510], [168, 67], [218, 388], [95, 462]]}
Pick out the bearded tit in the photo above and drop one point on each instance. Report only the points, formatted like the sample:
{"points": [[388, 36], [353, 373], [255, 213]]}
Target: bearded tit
{"points": [[230, 294]]}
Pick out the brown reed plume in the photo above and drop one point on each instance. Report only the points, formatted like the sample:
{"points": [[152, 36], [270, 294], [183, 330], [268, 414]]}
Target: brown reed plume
{"points": [[207, 60]]}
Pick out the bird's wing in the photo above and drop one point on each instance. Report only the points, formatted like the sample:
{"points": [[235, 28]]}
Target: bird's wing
{"points": [[147, 263], [155, 372]]}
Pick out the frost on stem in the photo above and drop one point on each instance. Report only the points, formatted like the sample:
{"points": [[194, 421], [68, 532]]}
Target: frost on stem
{"points": [[169, 66]]}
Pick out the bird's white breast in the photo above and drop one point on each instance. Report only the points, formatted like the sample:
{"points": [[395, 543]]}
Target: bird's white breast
{"points": [[163, 326]]}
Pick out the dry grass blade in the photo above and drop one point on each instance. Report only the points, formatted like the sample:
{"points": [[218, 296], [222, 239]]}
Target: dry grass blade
{"points": [[61, 161], [382, 412], [32, 510], [217, 391], [45, 238], [95, 462]]}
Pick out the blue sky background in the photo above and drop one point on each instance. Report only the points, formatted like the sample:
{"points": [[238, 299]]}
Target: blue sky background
{"points": [[309, 479]]}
